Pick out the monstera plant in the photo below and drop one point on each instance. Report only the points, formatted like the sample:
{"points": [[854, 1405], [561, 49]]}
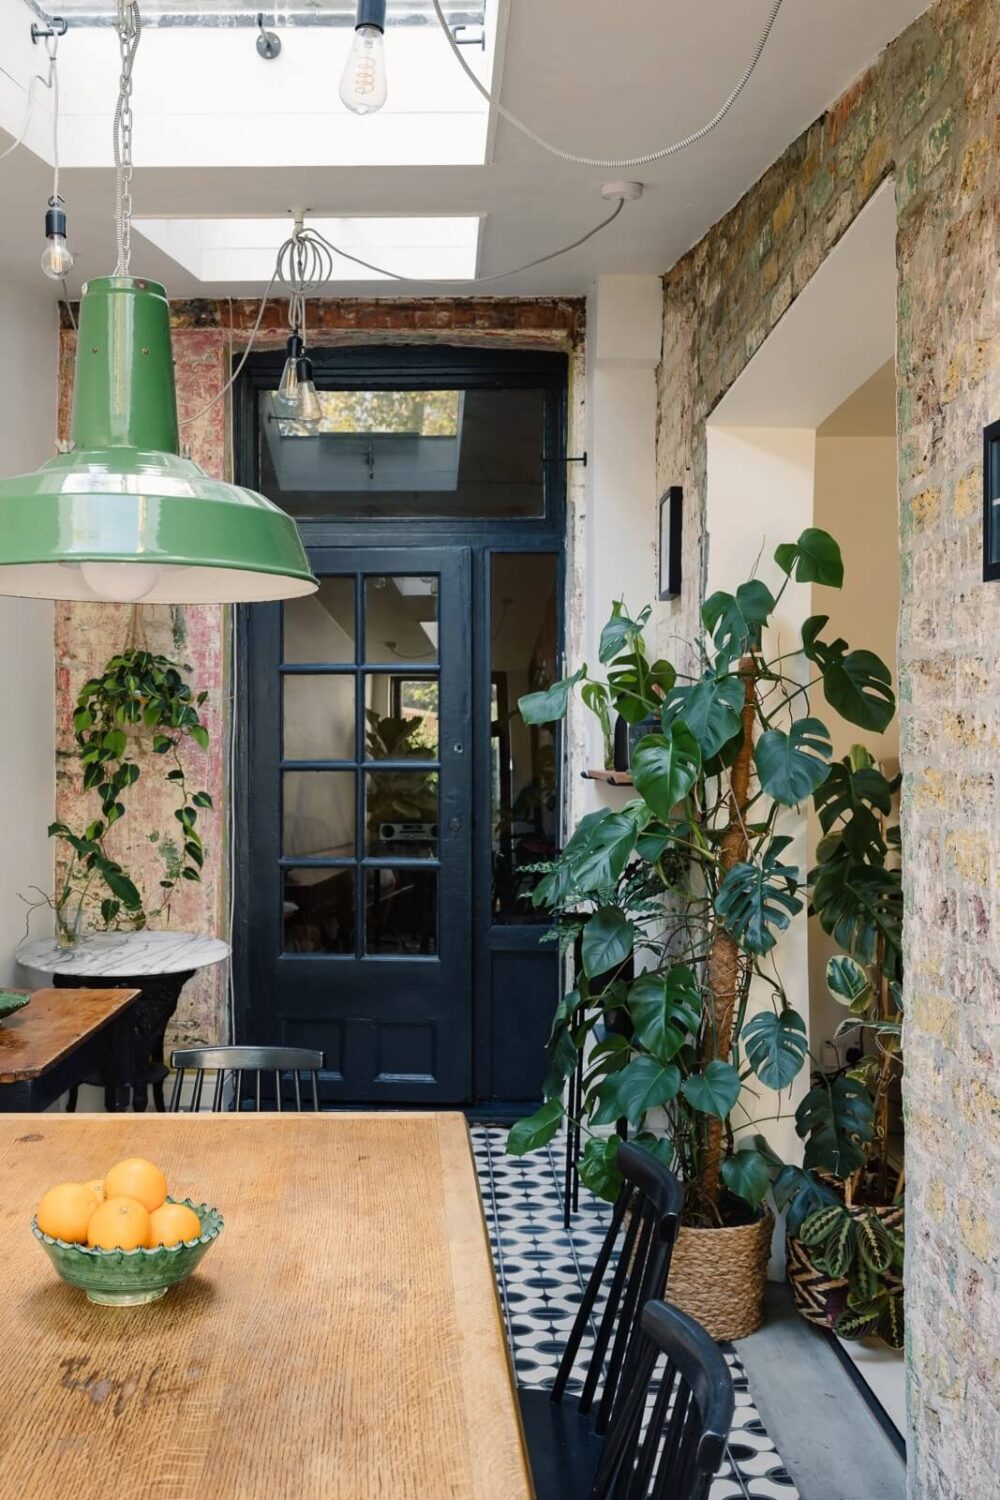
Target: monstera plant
{"points": [[675, 903]]}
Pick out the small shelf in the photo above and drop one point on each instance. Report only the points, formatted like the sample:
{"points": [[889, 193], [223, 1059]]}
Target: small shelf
{"points": [[613, 778]]}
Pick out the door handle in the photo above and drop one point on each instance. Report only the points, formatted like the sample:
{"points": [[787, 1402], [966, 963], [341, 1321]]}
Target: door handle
{"points": [[454, 825]]}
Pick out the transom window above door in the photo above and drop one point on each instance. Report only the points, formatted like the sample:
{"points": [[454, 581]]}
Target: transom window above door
{"points": [[360, 769], [437, 454]]}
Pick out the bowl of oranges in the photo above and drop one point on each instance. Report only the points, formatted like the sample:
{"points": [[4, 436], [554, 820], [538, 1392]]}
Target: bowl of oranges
{"points": [[122, 1238]]}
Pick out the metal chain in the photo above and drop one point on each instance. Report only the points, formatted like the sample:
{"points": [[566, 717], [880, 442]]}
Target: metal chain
{"points": [[128, 27]]}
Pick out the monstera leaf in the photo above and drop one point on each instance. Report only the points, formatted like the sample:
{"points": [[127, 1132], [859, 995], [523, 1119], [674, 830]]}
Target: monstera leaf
{"points": [[776, 1045], [621, 631], [608, 848], [835, 1121], [607, 941], [814, 558], [639, 1087], [857, 904], [665, 1009], [757, 901], [535, 1130], [851, 801], [710, 709], [858, 684], [735, 621], [714, 1090], [665, 767], [791, 766], [551, 704], [746, 1173]]}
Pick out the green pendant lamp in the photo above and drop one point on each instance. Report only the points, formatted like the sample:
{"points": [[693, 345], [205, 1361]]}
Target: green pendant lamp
{"points": [[122, 516]]}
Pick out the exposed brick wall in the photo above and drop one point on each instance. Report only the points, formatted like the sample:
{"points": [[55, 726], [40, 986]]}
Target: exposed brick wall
{"points": [[925, 113], [204, 335]]}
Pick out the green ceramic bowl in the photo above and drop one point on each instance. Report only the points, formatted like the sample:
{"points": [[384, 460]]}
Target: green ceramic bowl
{"points": [[12, 1000], [127, 1278]]}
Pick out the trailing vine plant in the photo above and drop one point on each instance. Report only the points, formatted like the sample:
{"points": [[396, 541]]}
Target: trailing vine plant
{"points": [[139, 699]]}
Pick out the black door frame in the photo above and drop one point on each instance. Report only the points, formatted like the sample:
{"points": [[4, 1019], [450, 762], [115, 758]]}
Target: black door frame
{"points": [[415, 366]]}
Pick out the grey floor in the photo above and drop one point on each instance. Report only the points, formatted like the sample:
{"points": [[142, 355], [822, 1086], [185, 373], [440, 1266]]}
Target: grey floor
{"points": [[832, 1445]]}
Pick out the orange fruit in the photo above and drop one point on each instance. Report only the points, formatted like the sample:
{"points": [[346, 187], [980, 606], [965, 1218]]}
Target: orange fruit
{"points": [[119, 1224], [137, 1178], [96, 1185], [65, 1212], [172, 1224]]}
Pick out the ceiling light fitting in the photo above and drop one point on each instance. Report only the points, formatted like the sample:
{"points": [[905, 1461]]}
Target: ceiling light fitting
{"points": [[121, 516], [363, 86]]}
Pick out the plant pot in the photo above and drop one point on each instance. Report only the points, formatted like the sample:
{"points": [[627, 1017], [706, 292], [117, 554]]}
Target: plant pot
{"points": [[819, 1297], [718, 1275]]}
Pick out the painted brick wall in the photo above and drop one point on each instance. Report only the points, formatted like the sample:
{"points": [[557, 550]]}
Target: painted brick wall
{"points": [[926, 113], [205, 334]]}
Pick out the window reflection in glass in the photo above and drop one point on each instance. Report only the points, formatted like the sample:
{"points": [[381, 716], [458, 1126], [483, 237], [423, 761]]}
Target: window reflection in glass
{"points": [[318, 910], [318, 814], [318, 717], [401, 618], [401, 813], [320, 627], [525, 792], [401, 716], [401, 911]]}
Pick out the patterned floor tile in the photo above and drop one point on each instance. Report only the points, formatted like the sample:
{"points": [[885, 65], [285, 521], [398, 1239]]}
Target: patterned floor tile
{"points": [[541, 1272]]}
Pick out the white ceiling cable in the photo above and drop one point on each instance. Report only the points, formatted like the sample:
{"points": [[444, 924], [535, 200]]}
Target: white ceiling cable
{"points": [[606, 163], [49, 82]]}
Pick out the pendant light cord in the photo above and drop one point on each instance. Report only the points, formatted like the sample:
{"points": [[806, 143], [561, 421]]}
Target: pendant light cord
{"points": [[129, 29], [50, 81], [607, 163]]}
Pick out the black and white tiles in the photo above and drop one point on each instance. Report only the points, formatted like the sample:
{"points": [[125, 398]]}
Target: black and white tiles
{"points": [[541, 1271]]}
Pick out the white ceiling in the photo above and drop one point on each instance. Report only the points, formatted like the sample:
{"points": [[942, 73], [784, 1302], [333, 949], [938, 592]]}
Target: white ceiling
{"points": [[597, 78]]}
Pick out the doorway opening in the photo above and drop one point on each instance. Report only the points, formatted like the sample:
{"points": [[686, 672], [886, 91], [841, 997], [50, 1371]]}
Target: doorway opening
{"points": [[391, 802], [806, 436]]}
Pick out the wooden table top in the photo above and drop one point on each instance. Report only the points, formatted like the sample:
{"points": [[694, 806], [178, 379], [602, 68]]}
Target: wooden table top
{"points": [[342, 1339], [33, 1040]]}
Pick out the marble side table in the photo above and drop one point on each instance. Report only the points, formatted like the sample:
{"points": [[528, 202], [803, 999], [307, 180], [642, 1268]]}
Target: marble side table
{"points": [[157, 963]]}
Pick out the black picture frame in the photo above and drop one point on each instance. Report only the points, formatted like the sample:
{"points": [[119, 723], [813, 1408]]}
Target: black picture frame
{"points": [[991, 502], [669, 542]]}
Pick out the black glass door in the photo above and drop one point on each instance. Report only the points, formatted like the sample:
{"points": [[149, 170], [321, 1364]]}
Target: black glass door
{"points": [[359, 841]]}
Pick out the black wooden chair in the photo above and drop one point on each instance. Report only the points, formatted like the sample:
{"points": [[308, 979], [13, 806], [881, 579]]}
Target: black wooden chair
{"points": [[565, 1434], [237, 1062], [668, 1436]]}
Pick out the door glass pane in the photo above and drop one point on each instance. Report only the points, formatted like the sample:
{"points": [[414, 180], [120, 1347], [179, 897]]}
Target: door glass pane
{"points": [[402, 813], [401, 618], [318, 911], [318, 814], [320, 628], [401, 716], [437, 453], [525, 793], [318, 717], [401, 911]]}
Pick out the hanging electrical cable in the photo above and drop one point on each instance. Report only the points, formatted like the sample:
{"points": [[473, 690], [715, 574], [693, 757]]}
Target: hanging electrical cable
{"points": [[57, 258], [628, 162]]}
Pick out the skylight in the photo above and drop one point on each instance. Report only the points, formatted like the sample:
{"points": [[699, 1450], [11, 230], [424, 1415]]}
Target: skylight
{"points": [[243, 250], [232, 109]]}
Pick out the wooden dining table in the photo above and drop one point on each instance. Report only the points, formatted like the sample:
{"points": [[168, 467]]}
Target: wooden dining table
{"points": [[342, 1339], [57, 1039]]}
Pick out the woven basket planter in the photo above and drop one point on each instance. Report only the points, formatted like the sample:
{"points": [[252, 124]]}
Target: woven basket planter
{"points": [[718, 1276], [821, 1298]]}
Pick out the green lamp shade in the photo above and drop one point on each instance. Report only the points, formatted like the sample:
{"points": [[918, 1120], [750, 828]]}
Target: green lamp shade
{"points": [[122, 516]]}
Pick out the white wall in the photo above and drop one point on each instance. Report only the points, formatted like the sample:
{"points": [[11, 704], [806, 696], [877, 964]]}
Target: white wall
{"points": [[624, 333], [856, 503], [28, 337]]}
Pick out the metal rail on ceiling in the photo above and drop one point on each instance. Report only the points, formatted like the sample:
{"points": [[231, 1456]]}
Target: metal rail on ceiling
{"points": [[340, 13]]}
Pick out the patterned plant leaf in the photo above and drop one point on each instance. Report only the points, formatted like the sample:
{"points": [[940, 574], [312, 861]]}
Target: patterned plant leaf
{"points": [[864, 1283], [874, 1243], [855, 1325], [820, 1225], [840, 1248], [890, 1323]]}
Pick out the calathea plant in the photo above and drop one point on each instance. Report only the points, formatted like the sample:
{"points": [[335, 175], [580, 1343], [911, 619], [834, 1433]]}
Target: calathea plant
{"points": [[139, 700], [677, 900], [857, 894]]}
